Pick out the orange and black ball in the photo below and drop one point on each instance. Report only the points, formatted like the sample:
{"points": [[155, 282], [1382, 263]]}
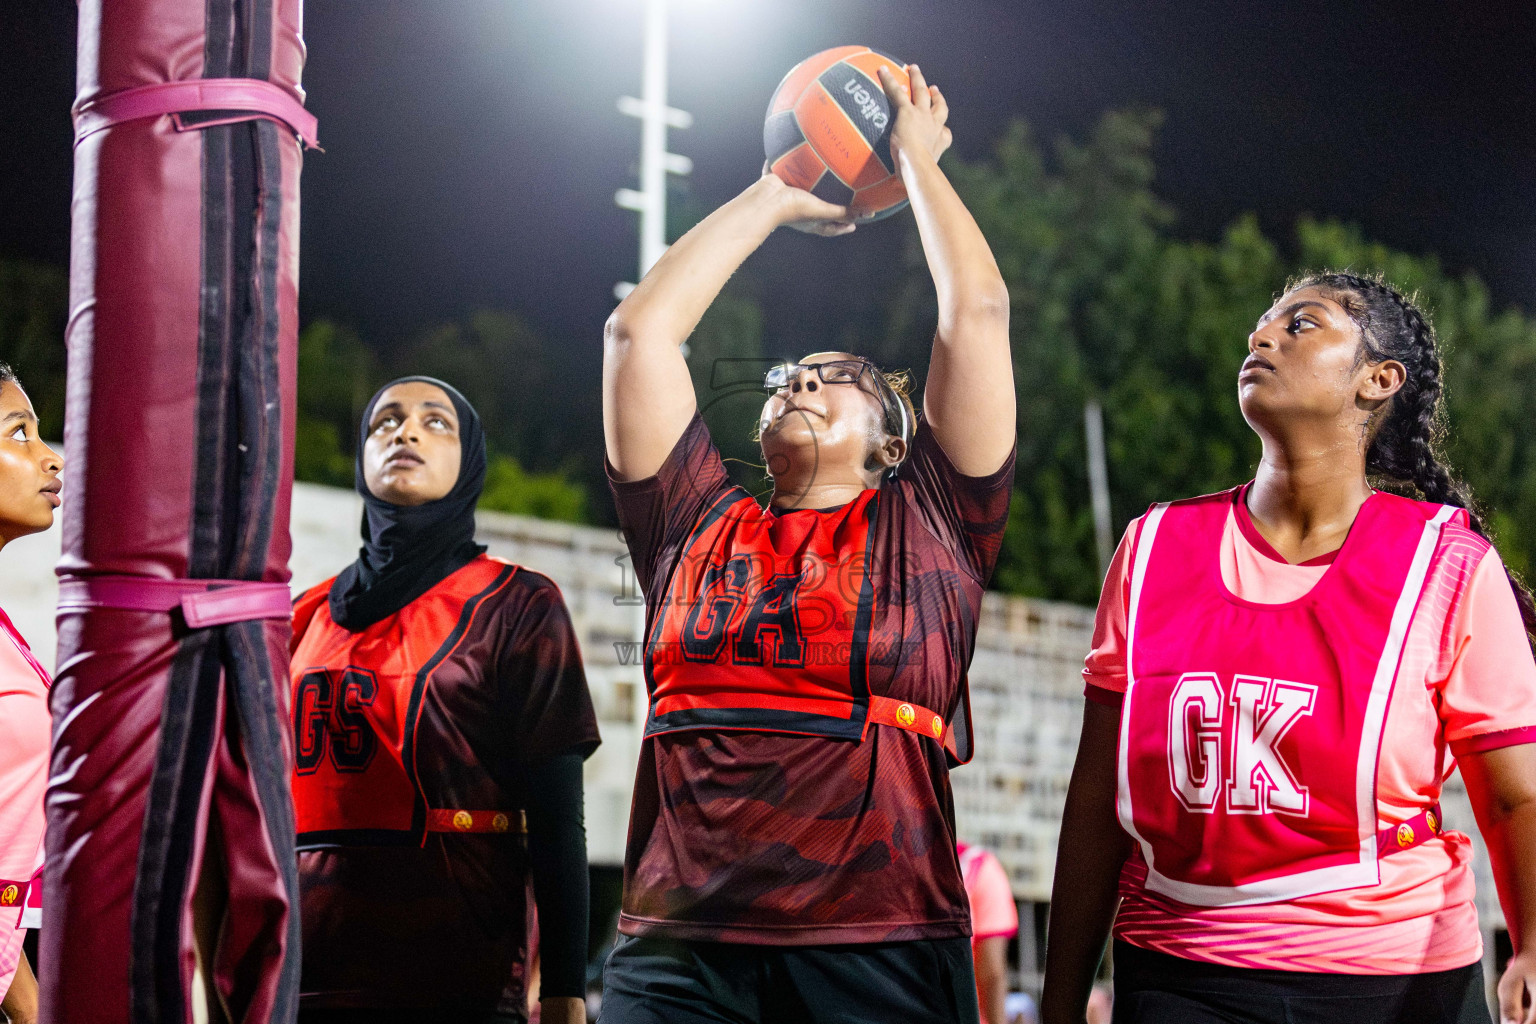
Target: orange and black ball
{"points": [[828, 131]]}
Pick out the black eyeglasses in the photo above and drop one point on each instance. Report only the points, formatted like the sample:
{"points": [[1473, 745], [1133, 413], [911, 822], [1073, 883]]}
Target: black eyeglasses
{"points": [[836, 371], [846, 371]]}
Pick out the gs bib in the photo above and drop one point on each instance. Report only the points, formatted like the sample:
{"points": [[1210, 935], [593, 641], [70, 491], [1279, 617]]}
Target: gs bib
{"points": [[356, 701]]}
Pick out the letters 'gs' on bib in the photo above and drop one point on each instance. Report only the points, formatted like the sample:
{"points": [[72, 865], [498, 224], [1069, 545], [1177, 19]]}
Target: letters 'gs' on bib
{"points": [[357, 698], [1250, 732]]}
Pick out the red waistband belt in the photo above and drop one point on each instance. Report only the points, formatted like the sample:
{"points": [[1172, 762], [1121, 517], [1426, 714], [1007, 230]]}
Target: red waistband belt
{"points": [[204, 603], [452, 820], [904, 714], [13, 893], [1420, 828], [240, 99]]}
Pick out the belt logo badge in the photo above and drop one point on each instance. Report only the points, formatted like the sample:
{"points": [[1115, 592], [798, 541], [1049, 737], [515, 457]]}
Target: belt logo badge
{"points": [[1405, 835], [936, 727], [906, 715], [9, 895], [499, 823], [463, 819]]}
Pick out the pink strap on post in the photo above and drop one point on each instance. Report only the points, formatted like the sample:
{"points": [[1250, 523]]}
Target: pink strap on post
{"points": [[204, 603], [243, 99]]}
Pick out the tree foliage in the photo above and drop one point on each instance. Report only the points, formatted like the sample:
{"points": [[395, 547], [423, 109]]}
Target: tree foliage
{"points": [[511, 488], [726, 360], [502, 366], [34, 301], [336, 375], [1109, 303], [493, 358]]}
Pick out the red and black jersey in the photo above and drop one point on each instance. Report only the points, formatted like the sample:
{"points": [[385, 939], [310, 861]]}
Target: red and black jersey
{"points": [[409, 740], [765, 623], [767, 809]]}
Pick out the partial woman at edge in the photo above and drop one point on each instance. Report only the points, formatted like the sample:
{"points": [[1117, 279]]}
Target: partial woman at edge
{"points": [[1283, 676], [29, 494]]}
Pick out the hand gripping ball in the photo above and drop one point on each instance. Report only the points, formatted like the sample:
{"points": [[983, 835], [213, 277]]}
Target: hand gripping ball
{"points": [[828, 131]]}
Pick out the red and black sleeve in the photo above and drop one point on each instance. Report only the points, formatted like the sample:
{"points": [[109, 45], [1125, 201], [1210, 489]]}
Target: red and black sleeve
{"points": [[545, 702], [968, 514], [658, 512], [542, 686]]}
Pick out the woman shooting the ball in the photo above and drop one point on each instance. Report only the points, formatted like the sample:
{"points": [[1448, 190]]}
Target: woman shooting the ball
{"points": [[791, 851], [1283, 676]]}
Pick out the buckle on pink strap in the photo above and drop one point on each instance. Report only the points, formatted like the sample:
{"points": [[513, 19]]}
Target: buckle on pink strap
{"points": [[1416, 831], [243, 99], [204, 603], [32, 909]]}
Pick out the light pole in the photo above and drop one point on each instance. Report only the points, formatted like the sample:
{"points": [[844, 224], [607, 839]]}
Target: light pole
{"points": [[1098, 483], [655, 162]]}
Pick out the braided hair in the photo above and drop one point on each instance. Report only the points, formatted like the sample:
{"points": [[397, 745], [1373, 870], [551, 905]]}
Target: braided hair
{"points": [[1405, 449]]}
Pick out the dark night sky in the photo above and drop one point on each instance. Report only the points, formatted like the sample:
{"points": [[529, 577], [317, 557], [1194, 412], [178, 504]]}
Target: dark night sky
{"points": [[473, 147]]}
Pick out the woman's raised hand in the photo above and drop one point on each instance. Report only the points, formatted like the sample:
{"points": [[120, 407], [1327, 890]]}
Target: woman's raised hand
{"points": [[920, 114], [796, 208]]}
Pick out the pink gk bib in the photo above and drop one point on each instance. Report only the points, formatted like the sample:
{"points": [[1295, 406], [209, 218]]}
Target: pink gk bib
{"points": [[1250, 732]]}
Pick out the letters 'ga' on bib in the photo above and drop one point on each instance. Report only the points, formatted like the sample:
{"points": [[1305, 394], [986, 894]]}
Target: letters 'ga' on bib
{"points": [[356, 702], [766, 621], [1250, 732]]}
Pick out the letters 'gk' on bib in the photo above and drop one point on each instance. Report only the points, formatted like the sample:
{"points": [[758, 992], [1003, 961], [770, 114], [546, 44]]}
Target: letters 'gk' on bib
{"points": [[1250, 732]]}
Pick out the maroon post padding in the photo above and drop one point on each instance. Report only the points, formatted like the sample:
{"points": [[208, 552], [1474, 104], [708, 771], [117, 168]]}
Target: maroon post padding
{"points": [[170, 707]]}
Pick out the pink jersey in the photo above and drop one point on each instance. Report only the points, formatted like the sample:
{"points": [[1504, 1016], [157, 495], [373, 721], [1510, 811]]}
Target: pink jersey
{"points": [[1464, 681], [25, 729], [994, 915]]}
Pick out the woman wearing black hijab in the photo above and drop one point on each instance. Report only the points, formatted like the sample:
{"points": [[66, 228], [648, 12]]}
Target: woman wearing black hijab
{"points": [[438, 703]]}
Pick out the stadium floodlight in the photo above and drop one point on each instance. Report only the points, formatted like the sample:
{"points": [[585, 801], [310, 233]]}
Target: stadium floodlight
{"points": [[650, 200]]}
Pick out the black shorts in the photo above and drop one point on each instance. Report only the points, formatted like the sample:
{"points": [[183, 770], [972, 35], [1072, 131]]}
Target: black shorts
{"points": [[1156, 988], [667, 981]]}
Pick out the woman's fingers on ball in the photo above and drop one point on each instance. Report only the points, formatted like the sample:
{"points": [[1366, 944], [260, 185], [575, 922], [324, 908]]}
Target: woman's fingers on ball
{"points": [[824, 228], [823, 210], [894, 90], [920, 97], [817, 209], [940, 104]]}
